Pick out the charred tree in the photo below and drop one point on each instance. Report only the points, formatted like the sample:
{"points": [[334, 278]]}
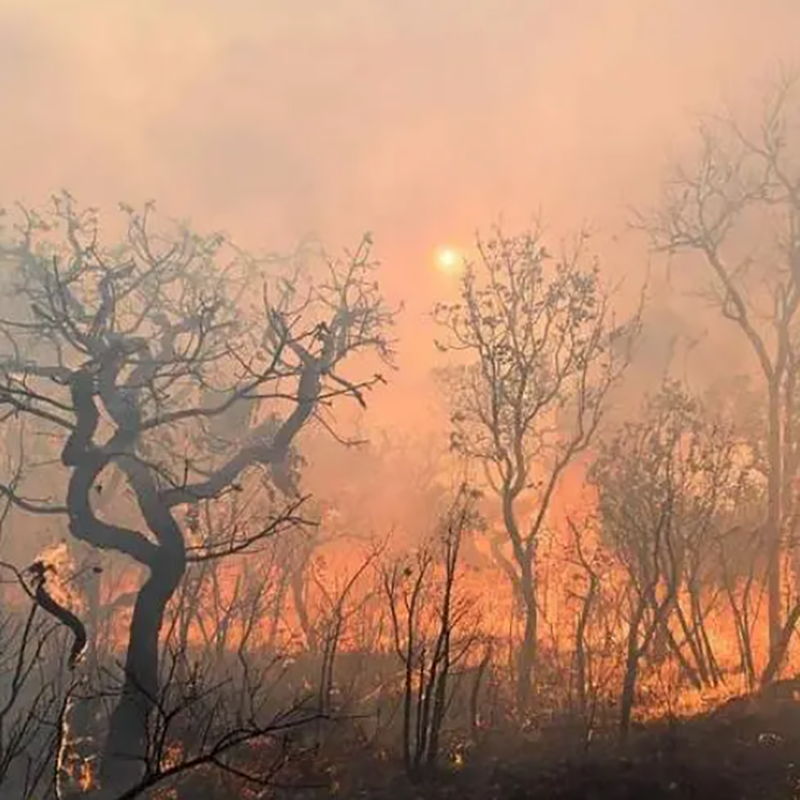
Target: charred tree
{"points": [[125, 355]]}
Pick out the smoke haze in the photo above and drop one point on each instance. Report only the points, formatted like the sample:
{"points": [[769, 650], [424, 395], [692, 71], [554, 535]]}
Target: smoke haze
{"points": [[420, 121]]}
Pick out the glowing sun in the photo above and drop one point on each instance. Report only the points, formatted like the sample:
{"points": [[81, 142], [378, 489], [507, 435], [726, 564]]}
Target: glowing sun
{"points": [[448, 260]]}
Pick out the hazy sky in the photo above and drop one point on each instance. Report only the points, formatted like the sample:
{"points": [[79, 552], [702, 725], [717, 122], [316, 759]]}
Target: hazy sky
{"points": [[417, 119]]}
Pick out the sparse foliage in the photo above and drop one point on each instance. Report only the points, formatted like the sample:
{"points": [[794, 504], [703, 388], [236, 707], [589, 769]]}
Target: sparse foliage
{"points": [[541, 354], [736, 207]]}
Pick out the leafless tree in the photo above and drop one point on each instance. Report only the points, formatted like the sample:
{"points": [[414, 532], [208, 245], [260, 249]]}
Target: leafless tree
{"points": [[739, 553], [186, 365], [662, 481], [36, 680], [215, 737], [333, 618], [427, 615], [737, 208], [593, 563], [541, 354]]}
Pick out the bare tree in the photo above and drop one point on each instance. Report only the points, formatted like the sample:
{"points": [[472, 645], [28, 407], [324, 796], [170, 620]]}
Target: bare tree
{"points": [[739, 555], [643, 543], [542, 352], [426, 617], [593, 566], [737, 207], [215, 738], [186, 365], [338, 603], [662, 481], [32, 691]]}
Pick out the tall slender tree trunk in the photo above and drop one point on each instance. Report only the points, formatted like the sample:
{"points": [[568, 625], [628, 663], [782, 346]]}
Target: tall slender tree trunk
{"points": [[773, 526], [630, 677], [527, 652]]}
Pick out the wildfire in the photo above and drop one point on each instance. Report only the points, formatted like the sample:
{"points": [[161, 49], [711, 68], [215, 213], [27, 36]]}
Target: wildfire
{"points": [[76, 757], [562, 587], [86, 775], [61, 568]]}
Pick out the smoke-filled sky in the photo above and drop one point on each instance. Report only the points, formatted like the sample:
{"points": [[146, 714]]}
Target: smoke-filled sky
{"points": [[420, 120]]}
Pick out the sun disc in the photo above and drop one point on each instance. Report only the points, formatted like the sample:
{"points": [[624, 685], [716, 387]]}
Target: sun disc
{"points": [[449, 260]]}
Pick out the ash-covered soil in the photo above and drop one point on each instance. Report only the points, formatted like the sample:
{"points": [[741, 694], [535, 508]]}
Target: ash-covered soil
{"points": [[746, 750]]}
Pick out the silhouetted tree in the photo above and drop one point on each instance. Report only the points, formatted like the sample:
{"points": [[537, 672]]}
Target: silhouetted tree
{"points": [[429, 626], [541, 353], [737, 207], [663, 481], [132, 356]]}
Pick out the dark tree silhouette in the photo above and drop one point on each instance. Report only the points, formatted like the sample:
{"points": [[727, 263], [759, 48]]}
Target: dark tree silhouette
{"points": [[542, 353], [182, 364]]}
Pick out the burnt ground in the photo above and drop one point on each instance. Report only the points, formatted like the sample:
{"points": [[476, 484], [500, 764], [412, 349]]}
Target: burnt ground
{"points": [[736, 753]]}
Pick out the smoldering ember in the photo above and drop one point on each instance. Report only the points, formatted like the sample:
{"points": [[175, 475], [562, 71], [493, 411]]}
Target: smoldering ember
{"points": [[434, 433]]}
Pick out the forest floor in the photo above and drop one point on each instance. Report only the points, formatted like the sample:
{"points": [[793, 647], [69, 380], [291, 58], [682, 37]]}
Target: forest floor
{"points": [[736, 753]]}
